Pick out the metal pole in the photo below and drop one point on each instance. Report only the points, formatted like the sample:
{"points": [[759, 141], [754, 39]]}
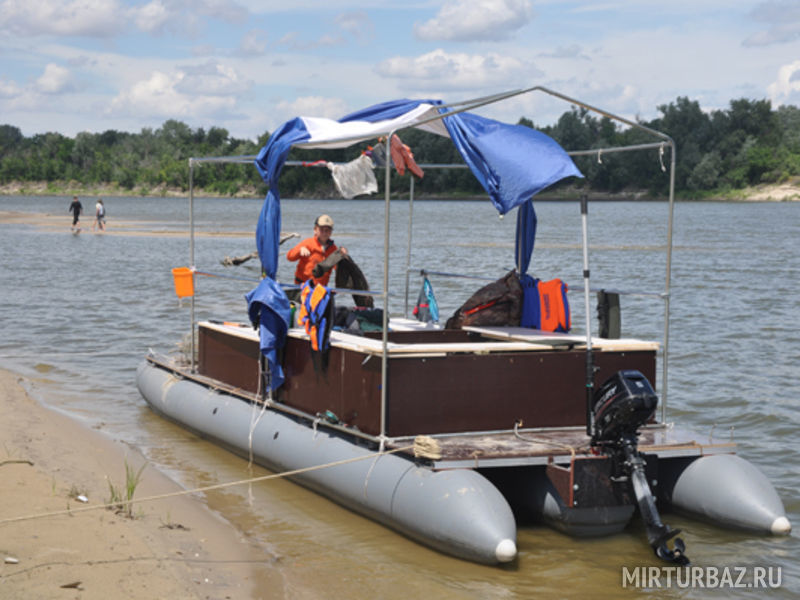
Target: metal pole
{"points": [[518, 238], [385, 333], [665, 352], [589, 360], [408, 249], [191, 255]]}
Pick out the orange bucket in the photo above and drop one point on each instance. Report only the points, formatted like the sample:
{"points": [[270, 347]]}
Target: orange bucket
{"points": [[184, 281]]}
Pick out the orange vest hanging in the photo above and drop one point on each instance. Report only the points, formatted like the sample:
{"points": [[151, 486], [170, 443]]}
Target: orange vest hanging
{"points": [[545, 305], [554, 307], [316, 304]]}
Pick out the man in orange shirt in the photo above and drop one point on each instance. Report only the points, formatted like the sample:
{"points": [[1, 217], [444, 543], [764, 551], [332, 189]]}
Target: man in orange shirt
{"points": [[313, 250]]}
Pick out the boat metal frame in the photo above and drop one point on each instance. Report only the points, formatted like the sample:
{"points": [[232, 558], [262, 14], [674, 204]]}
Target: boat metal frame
{"points": [[665, 142]]}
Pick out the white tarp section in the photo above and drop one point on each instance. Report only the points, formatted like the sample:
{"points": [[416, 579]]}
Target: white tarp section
{"points": [[327, 133]]}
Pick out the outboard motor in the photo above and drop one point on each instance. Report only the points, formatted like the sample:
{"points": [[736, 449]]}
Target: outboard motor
{"points": [[624, 403]]}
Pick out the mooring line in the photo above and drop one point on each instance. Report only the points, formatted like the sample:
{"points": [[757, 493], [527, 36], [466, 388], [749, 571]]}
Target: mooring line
{"points": [[122, 503]]}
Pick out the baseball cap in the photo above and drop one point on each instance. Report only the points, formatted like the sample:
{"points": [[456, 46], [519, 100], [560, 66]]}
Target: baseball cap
{"points": [[324, 221]]}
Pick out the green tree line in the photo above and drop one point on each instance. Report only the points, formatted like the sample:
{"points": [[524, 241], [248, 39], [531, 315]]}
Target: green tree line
{"points": [[746, 144]]}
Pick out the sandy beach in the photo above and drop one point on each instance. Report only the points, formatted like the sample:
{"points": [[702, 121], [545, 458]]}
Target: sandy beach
{"points": [[51, 222], [172, 548]]}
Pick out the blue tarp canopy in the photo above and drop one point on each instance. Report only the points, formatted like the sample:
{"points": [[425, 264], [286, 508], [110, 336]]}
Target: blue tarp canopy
{"points": [[512, 163]]}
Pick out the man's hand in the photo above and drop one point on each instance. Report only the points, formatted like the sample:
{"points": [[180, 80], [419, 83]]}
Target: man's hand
{"points": [[305, 252], [344, 251]]}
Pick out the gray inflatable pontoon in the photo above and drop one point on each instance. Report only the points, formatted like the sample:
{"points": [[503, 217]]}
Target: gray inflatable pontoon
{"points": [[457, 511]]}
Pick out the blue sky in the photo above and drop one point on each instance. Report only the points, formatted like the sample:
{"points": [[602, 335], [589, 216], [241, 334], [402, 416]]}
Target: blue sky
{"points": [[92, 65]]}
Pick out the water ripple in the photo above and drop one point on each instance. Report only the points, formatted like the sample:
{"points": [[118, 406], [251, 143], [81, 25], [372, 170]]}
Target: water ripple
{"points": [[80, 312]]}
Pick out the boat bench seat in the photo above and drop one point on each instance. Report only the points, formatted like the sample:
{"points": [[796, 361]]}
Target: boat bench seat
{"points": [[357, 343], [498, 339], [555, 339]]}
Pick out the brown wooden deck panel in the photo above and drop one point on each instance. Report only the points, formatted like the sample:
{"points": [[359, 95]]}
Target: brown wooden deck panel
{"points": [[463, 450], [348, 387], [229, 358], [479, 386], [470, 392]]}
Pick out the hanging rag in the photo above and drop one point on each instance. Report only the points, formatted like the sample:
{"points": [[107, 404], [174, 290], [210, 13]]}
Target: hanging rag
{"points": [[403, 158], [377, 154], [355, 177], [427, 309]]}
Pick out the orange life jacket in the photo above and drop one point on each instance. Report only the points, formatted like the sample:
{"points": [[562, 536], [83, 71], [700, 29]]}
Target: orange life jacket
{"points": [[554, 312], [545, 305]]}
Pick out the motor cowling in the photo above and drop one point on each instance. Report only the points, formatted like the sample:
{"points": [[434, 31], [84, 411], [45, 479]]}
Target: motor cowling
{"points": [[624, 403]]}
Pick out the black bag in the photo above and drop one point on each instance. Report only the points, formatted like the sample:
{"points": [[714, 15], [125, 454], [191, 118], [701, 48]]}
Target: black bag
{"points": [[496, 304]]}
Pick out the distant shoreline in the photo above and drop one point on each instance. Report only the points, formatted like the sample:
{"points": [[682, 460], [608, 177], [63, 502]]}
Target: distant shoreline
{"points": [[784, 192]]}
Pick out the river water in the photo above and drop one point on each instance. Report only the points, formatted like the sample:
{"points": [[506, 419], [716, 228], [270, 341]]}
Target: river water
{"points": [[79, 312]]}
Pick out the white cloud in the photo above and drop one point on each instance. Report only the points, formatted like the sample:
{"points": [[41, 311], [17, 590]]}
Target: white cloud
{"points": [[315, 106], [783, 20], [80, 61], [152, 17], [289, 38], [472, 20], [183, 17], [441, 70], [225, 10], [571, 51], [213, 79], [656, 65], [292, 41], [787, 86], [642, 55], [54, 80], [94, 18], [162, 96], [358, 24], [9, 89], [327, 40], [204, 50], [316, 6], [108, 18], [777, 34], [253, 43]]}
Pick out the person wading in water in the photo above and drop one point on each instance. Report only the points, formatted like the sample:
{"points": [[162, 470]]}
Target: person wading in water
{"points": [[77, 208]]}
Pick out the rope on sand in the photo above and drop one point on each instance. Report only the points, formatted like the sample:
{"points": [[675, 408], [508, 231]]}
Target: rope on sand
{"points": [[122, 503]]}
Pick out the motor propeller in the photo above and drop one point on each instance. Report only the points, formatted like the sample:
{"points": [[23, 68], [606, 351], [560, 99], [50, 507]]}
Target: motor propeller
{"points": [[621, 406]]}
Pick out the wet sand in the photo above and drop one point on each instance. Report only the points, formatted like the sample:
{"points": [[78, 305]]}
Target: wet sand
{"points": [[51, 222], [172, 548]]}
